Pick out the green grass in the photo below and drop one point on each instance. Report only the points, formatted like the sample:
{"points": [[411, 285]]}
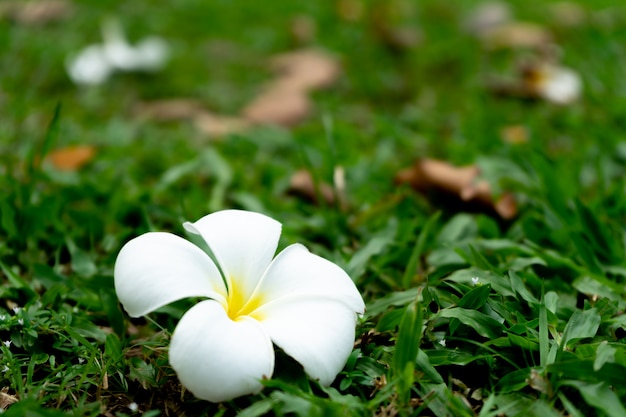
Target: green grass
{"points": [[466, 315]]}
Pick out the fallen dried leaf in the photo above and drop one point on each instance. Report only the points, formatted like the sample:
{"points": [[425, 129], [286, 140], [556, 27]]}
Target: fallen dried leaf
{"points": [[218, 125], [276, 105], [516, 35], [169, 109], [36, 12], [305, 70], [71, 158], [303, 185], [461, 183], [6, 399]]}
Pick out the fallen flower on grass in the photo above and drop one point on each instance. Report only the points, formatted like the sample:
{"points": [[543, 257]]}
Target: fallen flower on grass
{"points": [[551, 82], [460, 183], [544, 80], [222, 346], [95, 64]]}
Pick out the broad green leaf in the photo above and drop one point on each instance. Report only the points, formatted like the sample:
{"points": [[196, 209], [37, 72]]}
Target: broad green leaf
{"points": [[375, 246], [600, 396], [407, 346], [513, 381], [476, 298], [520, 288], [423, 364], [582, 324], [605, 353], [483, 324], [398, 298]]}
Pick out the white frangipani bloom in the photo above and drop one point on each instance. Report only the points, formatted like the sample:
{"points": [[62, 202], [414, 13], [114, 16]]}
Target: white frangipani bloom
{"points": [[553, 83], [95, 63], [222, 347]]}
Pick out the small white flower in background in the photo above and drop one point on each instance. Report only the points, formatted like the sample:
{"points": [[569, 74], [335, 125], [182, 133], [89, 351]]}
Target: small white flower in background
{"points": [[442, 342], [553, 83], [16, 310], [475, 281], [5, 369], [3, 317], [133, 407], [7, 343], [20, 322], [95, 63], [223, 346]]}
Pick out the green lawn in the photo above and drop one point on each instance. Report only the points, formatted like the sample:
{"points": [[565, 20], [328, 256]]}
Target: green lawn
{"points": [[467, 313]]}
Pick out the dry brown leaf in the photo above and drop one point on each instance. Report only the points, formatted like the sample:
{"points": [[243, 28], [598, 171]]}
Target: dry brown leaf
{"points": [[461, 183], [71, 158], [281, 106], [305, 70], [218, 125], [6, 399], [516, 35], [303, 185], [36, 12], [514, 134], [169, 109], [285, 100]]}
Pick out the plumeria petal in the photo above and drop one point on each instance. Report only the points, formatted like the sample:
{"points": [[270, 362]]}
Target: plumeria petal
{"points": [[217, 358], [317, 332], [243, 243], [157, 268], [296, 271], [90, 66]]}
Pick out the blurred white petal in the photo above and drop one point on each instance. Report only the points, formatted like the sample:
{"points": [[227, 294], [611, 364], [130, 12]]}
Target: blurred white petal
{"points": [[559, 85], [296, 271], [317, 332], [90, 66], [243, 243], [218, 359], [152, 53], [149, 55], [156, 268]]}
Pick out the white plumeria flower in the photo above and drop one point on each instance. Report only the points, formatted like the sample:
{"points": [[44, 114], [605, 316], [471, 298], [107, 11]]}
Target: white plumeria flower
{"points": [[95, 64], [148, 55], [222, 347], [553, 83]]}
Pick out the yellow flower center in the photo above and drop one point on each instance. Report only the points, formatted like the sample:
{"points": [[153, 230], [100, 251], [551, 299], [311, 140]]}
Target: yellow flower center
{"points": [[239, 306]]}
